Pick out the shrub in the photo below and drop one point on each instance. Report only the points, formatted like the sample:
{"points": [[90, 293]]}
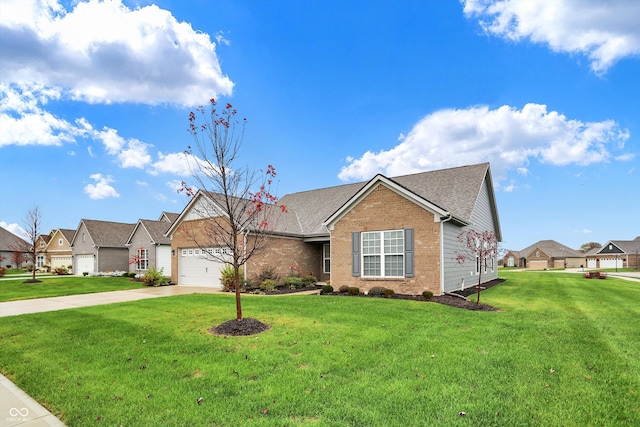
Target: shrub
{"points": [[354, 291], [85, 273], [427, 294], [268, 285], [268, 273], [153, 277], [326, 289], [227, 277], [60, 271], [343, 289], [293, 282], [376, 291], [294, 271], [309, 280], [388, 293], [2, 271]]}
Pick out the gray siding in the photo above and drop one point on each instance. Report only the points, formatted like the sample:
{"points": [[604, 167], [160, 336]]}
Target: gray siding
{"points": [[141, 239], [456, 276], [112, 259]]}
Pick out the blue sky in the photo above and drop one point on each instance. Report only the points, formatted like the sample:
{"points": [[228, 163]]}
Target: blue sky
{"points": [[95, 97]]}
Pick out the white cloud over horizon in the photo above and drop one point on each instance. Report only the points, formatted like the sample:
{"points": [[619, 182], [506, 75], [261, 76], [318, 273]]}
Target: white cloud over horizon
{"points": [[105, 52], [507, 137], [604, 32]]}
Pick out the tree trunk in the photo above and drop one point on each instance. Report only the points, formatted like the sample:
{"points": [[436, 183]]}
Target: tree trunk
{"points": [[236, 280], [479, 278]]}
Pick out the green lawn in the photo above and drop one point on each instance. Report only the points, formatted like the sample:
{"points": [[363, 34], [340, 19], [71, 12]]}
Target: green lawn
{"points": [[564, 351], [12, 290]]}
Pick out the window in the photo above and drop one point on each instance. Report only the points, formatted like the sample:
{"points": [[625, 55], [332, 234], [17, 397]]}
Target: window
{"points": [[383, 253], [42, 244], [59, 242], [326, 258], [537, 254], [510, 262], [39, 261], [143, 259]]}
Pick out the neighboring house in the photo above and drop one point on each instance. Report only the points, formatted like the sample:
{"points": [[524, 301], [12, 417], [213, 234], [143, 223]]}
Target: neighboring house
{"points": [[543, 255], [615, 254], [10, 245], [400, 233], [58, 250], [100, 246], [41, 244], [148, 245]]}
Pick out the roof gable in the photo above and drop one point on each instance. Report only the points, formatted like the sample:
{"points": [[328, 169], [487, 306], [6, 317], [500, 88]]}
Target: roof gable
{"points": [[552, 249], [106, 233], [9, 242], [65, 234], [154, 229]]}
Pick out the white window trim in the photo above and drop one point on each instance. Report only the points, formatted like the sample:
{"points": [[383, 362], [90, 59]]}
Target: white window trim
{"points": [[382, 255], [326, 258], [143, 260]]}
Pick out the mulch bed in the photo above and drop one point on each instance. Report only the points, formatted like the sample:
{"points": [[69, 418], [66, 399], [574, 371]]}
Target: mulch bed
{"points": [[249, 326]]}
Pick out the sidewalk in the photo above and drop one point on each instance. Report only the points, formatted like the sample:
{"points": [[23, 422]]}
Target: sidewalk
{"points": [[17, 408]]}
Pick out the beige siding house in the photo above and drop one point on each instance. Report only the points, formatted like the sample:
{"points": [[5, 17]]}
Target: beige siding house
{"points": [[58, 250], [400, 233]]}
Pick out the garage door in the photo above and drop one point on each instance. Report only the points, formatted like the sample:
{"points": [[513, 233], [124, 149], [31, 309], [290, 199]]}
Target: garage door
{"points": [[592, 263], [610, 263], [537, 265], [84, 263], [196, 270], [62, 261]]}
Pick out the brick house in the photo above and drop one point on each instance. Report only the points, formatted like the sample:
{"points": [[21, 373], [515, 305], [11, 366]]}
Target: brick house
{"points": [[615, 254], [400, 233], [543, 255]]}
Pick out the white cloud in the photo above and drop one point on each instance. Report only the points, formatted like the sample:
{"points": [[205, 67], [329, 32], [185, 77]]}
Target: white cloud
{"points": [[135, 156], [181, 164], [101, 189], [104, 52], [175, 184], [603, 31], [507, 137]]}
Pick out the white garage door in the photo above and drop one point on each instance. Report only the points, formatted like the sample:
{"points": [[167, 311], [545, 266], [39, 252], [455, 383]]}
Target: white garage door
{"points": [[592, 263], [84, 263], [610, 263], [196, 270]]}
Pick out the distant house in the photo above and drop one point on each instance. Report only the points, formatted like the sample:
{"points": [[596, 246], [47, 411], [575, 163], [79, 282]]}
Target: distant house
{"points": [[543, 255], [100, 246], [400, 233], [615, 254], [58, 251], [148, 245], [12, 246]]}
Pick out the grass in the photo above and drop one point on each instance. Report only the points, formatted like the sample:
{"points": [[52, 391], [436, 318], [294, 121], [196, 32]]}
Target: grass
{"points": [[564, 351], [13, 290]]}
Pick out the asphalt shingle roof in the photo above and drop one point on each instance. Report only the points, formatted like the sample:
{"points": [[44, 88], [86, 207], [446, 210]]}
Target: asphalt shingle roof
{"points": [[9, 242], [552, 248], [107, 233]]}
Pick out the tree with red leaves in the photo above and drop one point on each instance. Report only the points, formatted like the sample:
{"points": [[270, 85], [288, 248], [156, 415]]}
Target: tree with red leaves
{"points": [[242, 210], [480, 248]]}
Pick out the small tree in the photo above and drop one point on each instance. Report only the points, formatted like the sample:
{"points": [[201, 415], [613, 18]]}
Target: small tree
{"points": [[586, 247], [478, 247], [17, 258], [32, 225], [239, 209]]}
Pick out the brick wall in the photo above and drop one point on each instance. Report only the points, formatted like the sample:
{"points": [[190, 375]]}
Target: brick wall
{"points": [[383, 209], [279, 252]]}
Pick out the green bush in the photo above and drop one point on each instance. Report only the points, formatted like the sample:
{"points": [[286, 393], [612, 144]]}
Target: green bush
{"points": [[427, 294], [326, 289], [354, 291], [268, 285], [153, 277], [293, 282], [268, 273], [61, 271], [227, 277], [343, 289], [309, 280], [388, 293], [376, 291], [85, 273]]}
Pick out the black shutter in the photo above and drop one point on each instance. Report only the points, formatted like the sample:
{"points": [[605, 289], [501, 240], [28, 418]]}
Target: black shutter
{"points": [[355, 254], [408, 252]]}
